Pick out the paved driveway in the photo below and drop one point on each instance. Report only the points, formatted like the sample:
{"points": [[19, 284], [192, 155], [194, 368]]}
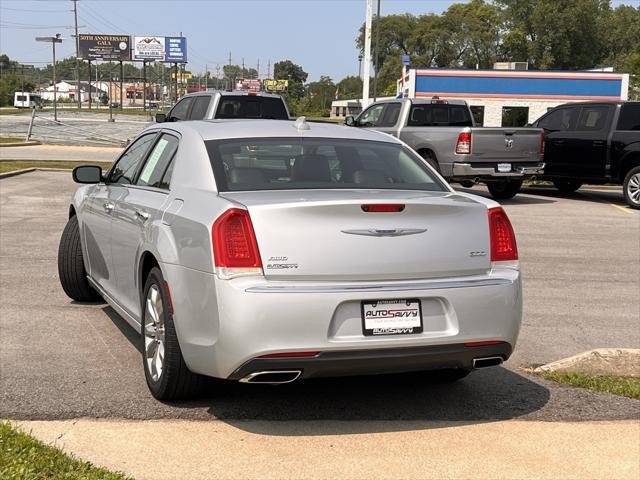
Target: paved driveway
{"points": [[61, 359]]}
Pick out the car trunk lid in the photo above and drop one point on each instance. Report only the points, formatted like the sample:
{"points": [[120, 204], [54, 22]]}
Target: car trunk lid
{"points": [[328, 235]]}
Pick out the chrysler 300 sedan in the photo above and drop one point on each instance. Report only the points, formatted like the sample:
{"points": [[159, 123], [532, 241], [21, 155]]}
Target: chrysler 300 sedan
{"points": [[264, 251]]}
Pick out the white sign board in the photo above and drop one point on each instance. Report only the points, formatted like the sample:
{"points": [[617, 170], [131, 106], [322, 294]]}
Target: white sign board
{"points": [[148, 48]]}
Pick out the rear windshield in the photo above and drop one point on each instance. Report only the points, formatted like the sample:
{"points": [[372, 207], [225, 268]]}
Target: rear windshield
{"points": [[251, 107], [425, 115], [317, 163]]}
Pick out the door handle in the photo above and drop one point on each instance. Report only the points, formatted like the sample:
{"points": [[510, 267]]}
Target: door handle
{"points": [[142, 215], [558, 142], [598, 143], [108, 207]]}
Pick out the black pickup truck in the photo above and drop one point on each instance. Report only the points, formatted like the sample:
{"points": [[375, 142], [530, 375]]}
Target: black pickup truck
{"points": [[593, 142]]}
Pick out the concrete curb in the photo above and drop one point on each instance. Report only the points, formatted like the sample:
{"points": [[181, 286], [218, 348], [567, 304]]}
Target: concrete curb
{"points": [[16, 172], [624, 362], [21, 144]]}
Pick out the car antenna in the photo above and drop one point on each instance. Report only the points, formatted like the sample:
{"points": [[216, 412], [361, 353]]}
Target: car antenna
{"points": [[301, 124]]}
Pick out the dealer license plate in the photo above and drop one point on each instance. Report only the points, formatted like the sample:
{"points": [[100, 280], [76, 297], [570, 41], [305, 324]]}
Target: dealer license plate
{"points": [[391, 317], [504, 167]]}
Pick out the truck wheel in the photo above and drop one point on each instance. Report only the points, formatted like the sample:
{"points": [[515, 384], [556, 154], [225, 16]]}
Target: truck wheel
{"points": [[73, 277], [567, 186], [631, 187], [431, 159], [167, 374], [505, 189], [467, 183]]}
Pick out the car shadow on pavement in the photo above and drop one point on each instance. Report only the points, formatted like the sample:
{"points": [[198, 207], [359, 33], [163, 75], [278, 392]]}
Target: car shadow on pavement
{"points": [[134, 338], [484, 396]]}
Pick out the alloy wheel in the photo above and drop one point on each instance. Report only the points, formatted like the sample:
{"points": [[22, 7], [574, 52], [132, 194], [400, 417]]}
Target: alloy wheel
{"points": [[633, 188], [154, 333]]}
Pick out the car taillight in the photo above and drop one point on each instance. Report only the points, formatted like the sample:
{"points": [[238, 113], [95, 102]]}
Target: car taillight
{"points": [[502, 238], [541, 144], [463, 145], [235, 248]]}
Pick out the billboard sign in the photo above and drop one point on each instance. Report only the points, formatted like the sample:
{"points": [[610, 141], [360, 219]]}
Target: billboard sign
{"points": [[278, 86], [148, 48], [161, 49], [247, 84], [104, 47], [175, 49]]}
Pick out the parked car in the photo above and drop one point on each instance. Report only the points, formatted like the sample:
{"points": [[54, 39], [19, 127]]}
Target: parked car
{"points": [[220, 104], [443, 132], [265, 251], [594, 142]]}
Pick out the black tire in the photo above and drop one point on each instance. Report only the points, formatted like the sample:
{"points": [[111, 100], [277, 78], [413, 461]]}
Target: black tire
{"points": [[176, 381], [448, 375], [504, 190], [467, 183], [567, 186], [630, 188], [431, 159], [73, 276]]}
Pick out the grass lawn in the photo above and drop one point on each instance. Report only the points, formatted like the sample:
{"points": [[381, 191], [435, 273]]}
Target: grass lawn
{"points": [[11, 165], [25, 458], [11, 140], [623, 386]]}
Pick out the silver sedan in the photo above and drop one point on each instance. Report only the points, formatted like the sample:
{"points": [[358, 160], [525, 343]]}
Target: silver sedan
{"points": [[265, 251]]}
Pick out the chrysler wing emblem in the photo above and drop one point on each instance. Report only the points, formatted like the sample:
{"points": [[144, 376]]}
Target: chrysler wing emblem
{"points": [[385, 232], [508, 143]]}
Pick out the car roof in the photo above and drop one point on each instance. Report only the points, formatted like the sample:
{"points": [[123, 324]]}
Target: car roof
{"points": [[234, 93], [262, 128]]}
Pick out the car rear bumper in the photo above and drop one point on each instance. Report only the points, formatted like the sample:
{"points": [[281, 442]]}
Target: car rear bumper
{"points": [[376, 361], [223, 324], [468, 170]]}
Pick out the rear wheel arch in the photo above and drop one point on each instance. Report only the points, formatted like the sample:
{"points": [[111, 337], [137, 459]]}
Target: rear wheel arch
{"points": [[630, 161], [147, 262]]}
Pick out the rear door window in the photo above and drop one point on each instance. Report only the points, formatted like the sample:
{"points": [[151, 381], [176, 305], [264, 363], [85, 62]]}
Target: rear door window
{"points": [[629, 117], [593, 118], [390, 115], [200, 107], [158, 161]]}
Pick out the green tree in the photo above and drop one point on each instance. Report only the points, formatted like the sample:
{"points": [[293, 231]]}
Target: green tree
{"points": [[9, 84], [287, 70], [555, 34], [349, 87], [321, 94]]}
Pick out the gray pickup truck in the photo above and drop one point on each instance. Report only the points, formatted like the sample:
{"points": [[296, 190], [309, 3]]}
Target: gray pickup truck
{"points": [[443, 132]]}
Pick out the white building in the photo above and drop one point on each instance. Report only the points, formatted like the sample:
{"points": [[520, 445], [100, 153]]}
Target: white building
{"points": [[67, 90], [503, 97]]}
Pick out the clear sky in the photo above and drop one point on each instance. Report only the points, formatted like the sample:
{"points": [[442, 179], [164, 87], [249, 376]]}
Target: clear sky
{"points": [[319, 35]]}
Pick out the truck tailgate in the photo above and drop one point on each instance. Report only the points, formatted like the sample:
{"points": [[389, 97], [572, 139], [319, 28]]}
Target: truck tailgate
{"points": [[505, 144]]}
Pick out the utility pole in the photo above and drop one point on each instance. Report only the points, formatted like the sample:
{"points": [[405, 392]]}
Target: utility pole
{"points": [[206, 76], [75, 20], [269, 69], [53, 41], [258, 70], [367, 55], [375, 73]]}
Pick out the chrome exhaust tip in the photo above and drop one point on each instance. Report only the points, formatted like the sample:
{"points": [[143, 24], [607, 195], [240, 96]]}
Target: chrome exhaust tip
{"points": [[273, 377], [484, 362]]}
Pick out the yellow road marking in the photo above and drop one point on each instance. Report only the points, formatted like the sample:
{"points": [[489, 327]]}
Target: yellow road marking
{"points": [[619, 207]]}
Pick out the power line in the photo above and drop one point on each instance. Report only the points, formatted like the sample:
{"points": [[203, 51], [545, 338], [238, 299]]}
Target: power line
{"points": [[29, 10]]}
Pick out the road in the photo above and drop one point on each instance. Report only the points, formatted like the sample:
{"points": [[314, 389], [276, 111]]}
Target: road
{"points": [[74, 153], [62, 359]]}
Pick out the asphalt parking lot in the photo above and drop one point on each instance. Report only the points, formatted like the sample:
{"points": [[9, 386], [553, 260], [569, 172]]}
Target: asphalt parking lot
{"points": [[60, 359]]}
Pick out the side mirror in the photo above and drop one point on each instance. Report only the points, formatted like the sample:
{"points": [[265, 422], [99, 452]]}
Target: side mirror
{"points": [[528, 124], [161, 117], [87, 174], [349, 121]]}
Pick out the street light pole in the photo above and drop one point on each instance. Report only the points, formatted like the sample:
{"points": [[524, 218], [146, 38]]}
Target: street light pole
{"points": [[53, 41]]}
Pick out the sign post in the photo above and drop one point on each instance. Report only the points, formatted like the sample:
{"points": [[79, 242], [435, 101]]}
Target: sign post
{"points": [[53, 41]]}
